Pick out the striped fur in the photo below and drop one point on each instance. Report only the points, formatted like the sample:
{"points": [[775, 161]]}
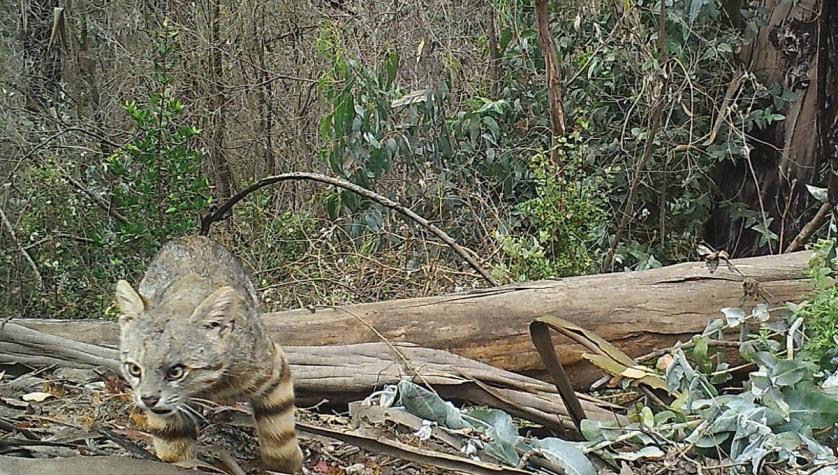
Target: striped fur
{"points": [[271, 395], [174, 437], [273, 409]]}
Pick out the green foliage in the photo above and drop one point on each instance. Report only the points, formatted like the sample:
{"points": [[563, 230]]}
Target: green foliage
{"points": [[557, 221], [157, 181], [820, 315], [567, 221], [360, 129], [154, 183], [787, 413]]}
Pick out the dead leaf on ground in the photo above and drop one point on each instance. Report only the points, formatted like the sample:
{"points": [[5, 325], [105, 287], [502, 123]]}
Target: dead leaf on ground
{"points": [[37, 396]]}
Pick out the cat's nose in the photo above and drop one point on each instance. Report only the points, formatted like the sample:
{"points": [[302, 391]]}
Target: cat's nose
{"points": [[150, 401]]}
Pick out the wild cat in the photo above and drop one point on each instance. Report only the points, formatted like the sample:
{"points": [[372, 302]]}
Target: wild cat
{"points": [[195, 330]]}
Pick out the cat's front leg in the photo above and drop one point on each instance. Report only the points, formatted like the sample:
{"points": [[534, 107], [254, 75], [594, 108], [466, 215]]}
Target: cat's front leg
{"points": [[174, 436], [273, 409]]}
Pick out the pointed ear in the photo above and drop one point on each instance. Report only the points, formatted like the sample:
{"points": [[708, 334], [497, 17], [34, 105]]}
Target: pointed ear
{"points": [[218, 311], [131, 304]]}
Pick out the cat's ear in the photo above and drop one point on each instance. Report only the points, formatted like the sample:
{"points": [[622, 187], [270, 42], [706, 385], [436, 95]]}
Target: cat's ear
{"points": [[131, 304], [218, 311]]}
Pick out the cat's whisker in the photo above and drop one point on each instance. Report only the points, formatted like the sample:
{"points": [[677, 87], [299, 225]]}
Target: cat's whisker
{"points": [[192, 413], [204, 402]]}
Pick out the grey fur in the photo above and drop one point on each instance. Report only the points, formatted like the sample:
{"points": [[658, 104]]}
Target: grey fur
{"points": [[198, 309]]}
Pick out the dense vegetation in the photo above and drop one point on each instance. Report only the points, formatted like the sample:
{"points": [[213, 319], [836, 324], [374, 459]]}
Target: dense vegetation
{"points": [[126, 140]]}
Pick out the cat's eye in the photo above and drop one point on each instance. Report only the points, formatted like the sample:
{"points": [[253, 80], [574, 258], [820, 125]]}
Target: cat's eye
{"points": [[134, 369], [176, 372]]}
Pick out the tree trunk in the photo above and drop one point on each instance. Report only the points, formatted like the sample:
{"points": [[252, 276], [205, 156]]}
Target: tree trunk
{"points": [[217, 152], [552, 71], [828, 110], [638, 312], [792, 51], [494, 53], [42, 61]]}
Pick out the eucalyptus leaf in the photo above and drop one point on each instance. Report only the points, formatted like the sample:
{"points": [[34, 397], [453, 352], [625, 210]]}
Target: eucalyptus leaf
{"points": [[599, 431], [649, 452], [499, 426], [819, 194], [760, 313], [493, 126], [566, 454], [427, 405], [813, 409], [733, 316], [790, 372]]}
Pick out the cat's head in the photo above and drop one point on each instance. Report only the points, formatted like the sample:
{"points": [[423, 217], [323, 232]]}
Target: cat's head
{"points": [[178, 348]]}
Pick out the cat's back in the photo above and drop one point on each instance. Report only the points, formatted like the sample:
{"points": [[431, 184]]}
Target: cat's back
{"points": [[195, 256]]}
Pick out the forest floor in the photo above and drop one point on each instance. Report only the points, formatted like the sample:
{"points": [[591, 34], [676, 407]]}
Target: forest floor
{"points": [[61, 414], [65, 413]]}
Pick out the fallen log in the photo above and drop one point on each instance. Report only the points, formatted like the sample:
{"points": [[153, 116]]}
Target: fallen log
{"points": [[638, 312], [344, 373]]}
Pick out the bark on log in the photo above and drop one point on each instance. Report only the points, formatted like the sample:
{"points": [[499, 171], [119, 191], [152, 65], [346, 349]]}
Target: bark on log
{"points": [[638, 312], [344, 373]]}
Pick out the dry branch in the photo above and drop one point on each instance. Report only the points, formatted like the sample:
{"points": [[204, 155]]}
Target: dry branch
{"points": [[11, 230], [810, 228], [552, 71], [639, 312], [220, 213]]}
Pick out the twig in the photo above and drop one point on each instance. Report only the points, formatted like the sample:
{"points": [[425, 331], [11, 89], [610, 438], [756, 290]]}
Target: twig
{"points": [[230, 462], [685, 346], [401, 355], [8, 225], [821, 217], [126, 444], [220, 213], [395, 448], [9, 427]]}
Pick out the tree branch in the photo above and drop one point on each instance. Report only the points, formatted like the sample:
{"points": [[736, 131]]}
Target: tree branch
{"points": [[8, 225], [221, 213], [811, 228]]}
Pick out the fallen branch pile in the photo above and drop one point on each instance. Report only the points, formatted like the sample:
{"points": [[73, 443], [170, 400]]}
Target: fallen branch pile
{"points": [[345, 373]]}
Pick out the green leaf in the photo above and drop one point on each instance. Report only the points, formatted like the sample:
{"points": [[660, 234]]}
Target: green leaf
{"points": [[333, 205], [695, 8], [790, 372], [427, 405], [392, 68], [370, 138], [811, 408], [733, 316], [493, 126], [818, 193], [499, 427], [567, 455], [700, 355], [391, 146], [598, 431]]}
